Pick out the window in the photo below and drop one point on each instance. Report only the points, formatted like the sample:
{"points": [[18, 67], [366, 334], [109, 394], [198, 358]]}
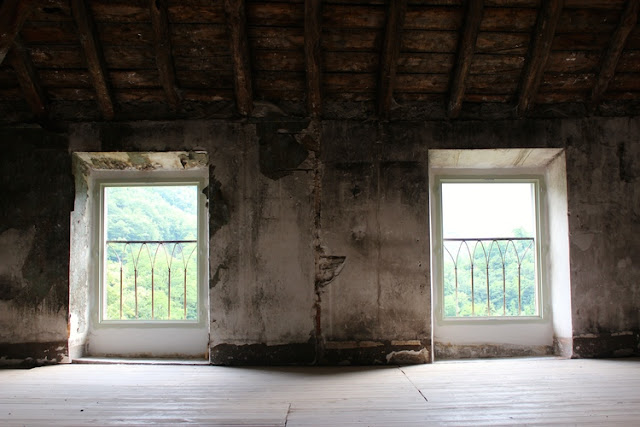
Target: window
{"points": [[137, 215], [489, 247], [149, 252], [492, 209]]}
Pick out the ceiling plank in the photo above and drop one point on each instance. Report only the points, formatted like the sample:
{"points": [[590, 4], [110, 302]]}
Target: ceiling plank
{"points": [[28, 79], [13, 13], [539, 49], [162, 44], [239, 46], [389, 59], [465, 55], [612, 55], [312, 17], [94, 56]]}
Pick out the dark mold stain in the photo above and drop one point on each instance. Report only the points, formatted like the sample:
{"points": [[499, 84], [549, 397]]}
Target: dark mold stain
{"points": [[37, 191], [627, 169], [263, 354], [487, 351], [607, 344], [219, 215], [114, 137], [409, 177], [220, 275], [386, 352], [280, 153], [9, 287], [32, 354]]}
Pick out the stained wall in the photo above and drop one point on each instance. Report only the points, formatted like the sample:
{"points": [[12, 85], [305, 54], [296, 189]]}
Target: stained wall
{"points": [[319, 232]]}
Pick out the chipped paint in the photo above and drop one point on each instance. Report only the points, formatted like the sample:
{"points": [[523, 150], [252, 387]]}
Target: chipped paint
{"points": [[408, 357]]}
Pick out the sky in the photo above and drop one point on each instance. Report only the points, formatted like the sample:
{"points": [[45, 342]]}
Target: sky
{"points": [[478, 210]]}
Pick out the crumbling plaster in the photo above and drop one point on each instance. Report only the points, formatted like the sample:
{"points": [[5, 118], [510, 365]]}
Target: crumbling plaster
{"points": [[361, 193]]}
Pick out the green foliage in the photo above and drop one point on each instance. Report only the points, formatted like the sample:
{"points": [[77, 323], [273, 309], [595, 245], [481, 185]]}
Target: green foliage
{"points": [[148, 281], [490, 278], [151, 213]]}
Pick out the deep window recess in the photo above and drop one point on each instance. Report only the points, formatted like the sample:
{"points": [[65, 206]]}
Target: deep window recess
{"points": [[489, 248], [149, 252]]}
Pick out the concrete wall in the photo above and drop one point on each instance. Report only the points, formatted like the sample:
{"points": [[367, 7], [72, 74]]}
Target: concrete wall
{"points": [[319, 232], [36, 196]]}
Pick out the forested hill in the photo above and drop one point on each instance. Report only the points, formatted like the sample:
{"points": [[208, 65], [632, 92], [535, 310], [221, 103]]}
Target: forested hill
{"points": [[151, 213]]}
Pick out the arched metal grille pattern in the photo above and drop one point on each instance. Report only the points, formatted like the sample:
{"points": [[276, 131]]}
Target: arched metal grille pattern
{"points": [[490, 277], [151, 280]]}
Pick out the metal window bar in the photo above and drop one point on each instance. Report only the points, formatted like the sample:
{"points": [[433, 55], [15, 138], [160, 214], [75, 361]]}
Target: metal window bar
{"points": [[506, 255], [127, 254]]}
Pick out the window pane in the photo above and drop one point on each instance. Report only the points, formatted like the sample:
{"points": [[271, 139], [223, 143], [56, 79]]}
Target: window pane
{"points": [[151, 213], [488, 209], [150, 270], [489, 249]]}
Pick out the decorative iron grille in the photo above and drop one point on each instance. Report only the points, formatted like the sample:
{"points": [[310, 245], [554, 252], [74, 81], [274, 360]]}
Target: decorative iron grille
{"points": [[151, 280], [490, 277]]}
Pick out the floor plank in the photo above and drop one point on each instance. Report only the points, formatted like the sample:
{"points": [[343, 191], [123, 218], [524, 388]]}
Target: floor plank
{"points": [[487, 392]]}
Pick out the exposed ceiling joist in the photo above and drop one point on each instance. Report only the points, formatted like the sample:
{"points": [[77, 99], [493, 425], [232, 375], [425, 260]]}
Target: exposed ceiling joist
{"points": [[94, 56], [239, 45], [466, 49], [13, 13], [389, 58], [611, 56], [540, 47], [312, 17], [164, 57], [340, 59], [28, 79]]}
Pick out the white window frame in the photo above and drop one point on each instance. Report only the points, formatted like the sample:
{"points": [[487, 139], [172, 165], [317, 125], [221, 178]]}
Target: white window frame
{"points": [[128, 178], [101, 186], [542, 284]]}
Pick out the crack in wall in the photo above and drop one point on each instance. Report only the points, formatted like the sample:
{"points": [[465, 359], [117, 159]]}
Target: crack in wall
{"points": [[317, 241]]}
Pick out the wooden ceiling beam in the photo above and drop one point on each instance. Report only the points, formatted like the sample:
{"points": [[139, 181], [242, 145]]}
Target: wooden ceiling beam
{"points": [[32, 90], [312, 17], [13, 13], [389, 58], [612, 55], [239, 45], [466, 48], [164, 57], [93, 54], [539, 49]]}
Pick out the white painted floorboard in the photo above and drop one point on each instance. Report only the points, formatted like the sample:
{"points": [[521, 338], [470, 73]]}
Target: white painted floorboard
{"points": [[487, 392]]}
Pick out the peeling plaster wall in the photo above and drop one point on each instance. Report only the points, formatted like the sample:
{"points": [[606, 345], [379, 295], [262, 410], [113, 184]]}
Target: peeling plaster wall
{"points": [[603, 174], [319, 244], [36, 196], [374, 213], [261, 256]]}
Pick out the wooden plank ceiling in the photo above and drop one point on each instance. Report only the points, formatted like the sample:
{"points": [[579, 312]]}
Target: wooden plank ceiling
{"points": [[70, 60]]}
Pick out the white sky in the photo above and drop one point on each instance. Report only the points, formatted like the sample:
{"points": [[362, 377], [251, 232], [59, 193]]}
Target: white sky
{"points": [[475, 210]]}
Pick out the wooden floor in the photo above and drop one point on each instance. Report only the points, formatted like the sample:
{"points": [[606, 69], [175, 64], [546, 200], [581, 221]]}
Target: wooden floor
{"points": [[508, 392]]}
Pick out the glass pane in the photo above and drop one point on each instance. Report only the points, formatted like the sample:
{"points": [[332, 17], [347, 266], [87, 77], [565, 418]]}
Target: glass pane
{"points": [[151, 270], [489, 249], [488, 210]]}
